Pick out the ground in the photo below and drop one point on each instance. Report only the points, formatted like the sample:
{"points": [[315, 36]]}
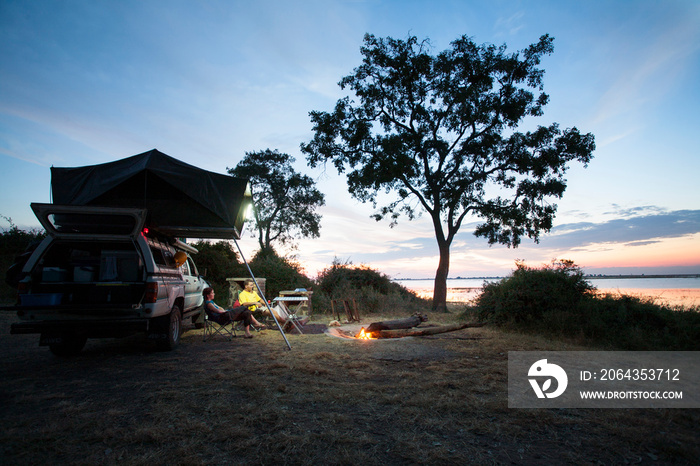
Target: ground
{"points": [[420, 400]]}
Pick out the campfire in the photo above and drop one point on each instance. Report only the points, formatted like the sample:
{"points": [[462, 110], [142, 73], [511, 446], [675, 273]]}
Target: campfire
{"points": [[375, 329], [405, 328], [363, 335]]}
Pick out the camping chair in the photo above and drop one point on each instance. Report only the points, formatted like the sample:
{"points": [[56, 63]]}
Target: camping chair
{"points": [[213, 328], [293, 321]]}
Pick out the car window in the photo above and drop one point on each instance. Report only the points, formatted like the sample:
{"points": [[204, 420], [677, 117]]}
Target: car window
{"points": [[185, 268], [162, 253], [193, 268], [84, 261]]}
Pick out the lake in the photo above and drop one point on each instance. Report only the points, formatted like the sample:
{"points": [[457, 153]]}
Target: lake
{"points": [[675, 291]]}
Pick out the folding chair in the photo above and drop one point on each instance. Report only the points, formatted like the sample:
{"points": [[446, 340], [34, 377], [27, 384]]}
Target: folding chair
{"points": [[290, 313], [213, 328]]}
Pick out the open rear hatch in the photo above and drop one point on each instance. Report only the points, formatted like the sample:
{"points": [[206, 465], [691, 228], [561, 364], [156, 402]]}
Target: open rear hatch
{"points": [[92, 263], [88, 222]]}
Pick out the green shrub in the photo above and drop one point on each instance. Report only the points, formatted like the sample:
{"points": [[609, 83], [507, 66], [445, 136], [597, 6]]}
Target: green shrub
{"points": [[372, 291], [557, 302], [280, 273], [217, 262], [524, 297], [631, 323], [13, 243]]}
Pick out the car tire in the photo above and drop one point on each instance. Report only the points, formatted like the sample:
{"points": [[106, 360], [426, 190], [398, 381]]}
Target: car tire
{"points": [[173, 332], [70, 346]]}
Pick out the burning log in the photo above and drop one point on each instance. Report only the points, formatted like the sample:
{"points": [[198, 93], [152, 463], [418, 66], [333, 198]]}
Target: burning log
{"points": [[407, 323], [415, 332], [405, 328]]}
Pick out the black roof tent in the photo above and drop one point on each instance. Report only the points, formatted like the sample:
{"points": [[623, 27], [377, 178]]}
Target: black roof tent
{"points": [[181, 199]]}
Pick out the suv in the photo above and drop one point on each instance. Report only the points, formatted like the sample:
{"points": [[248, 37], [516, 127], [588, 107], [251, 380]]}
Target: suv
{"points": [[99, 273]]}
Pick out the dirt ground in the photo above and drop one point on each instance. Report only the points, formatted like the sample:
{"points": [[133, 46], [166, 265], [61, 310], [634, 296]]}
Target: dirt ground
{"points": [[422, 400]]}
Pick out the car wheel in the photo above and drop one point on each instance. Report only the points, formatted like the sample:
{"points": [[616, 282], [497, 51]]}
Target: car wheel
{"points": [[70, 346], [173, 331]]}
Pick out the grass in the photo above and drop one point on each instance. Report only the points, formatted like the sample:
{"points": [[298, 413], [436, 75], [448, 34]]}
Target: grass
{"points": [[429, 400]]}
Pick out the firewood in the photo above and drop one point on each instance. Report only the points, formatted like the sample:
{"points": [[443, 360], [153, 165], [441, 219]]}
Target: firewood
{"points": [[414, 332], [406, 323]]}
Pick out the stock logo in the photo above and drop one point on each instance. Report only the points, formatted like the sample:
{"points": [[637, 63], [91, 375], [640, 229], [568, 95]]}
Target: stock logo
{"points": [[543, 370]]}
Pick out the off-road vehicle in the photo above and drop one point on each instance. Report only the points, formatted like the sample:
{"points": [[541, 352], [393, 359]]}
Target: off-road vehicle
{"points": [[99, 273]]}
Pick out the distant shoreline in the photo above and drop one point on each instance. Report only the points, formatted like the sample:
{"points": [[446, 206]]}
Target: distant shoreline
{"points": [[685, 275], [670, 289], [621, 276]]}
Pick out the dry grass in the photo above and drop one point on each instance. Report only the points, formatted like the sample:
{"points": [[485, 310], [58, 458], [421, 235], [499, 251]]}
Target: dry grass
{"points": [[429, 400]]}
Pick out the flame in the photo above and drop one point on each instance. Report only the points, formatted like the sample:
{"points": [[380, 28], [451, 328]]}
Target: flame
{"points": [[364, 335]]}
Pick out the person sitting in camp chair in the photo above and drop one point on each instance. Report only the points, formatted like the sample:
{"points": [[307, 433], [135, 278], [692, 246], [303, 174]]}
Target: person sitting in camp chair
{"points": [[223, 316], [248, 297]]}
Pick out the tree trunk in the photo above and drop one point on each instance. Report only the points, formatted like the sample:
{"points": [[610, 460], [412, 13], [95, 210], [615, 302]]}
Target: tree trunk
{"points": [[440, 286], [415, 332]]}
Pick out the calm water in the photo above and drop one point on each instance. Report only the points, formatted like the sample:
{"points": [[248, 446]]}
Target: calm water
{"points": [[673, 290]]}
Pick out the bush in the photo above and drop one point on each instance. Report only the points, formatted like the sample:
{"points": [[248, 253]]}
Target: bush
{"points": [[556, 301], [217, 262], [525, 296], [635, 324], [14, 243], [280, 273], [373, 291]]}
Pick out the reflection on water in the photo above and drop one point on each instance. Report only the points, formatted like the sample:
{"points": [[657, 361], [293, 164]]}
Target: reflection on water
{"points": [[460, 290], [674, 291]]}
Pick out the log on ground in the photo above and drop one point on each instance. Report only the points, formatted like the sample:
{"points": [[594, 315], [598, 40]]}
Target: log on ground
{"points": [[415, 332], [406, 323]]}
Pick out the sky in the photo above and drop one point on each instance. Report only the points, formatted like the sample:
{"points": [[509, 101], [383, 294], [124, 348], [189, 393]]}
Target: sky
{"points": [[89, 82]]}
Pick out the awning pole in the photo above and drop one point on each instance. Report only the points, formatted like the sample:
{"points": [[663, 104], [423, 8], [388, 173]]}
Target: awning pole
{"points": [[261, 294]]}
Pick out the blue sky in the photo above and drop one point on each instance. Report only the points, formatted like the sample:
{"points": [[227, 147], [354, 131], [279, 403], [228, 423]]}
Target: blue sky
{"points": [[86, 82]]}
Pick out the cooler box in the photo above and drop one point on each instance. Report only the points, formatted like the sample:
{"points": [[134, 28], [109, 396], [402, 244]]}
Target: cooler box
{"points": [[41, 299]]}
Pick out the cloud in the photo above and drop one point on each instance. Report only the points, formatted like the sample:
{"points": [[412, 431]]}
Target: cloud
{"points": [[642, 243], [660, 59], [397, 252], [512, 24], [653, 224]]}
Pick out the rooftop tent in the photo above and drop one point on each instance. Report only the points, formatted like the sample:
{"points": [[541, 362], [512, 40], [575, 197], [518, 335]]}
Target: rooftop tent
{"points": [[181, 200]]}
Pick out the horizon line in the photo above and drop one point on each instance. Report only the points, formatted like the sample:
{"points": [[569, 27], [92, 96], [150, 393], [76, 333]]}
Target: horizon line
{"points": [[665, 275]]}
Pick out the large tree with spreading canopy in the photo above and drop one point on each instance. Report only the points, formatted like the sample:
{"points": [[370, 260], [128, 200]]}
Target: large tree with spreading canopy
{"points": [[285, 200], [441, 134]]}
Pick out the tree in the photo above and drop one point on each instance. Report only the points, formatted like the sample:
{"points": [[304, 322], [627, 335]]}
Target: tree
{"points": [[217, 262], [285, 201], [440, 132], [281, 273]]}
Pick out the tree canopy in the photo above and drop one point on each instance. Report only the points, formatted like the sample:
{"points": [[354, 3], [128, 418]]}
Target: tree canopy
{"points": [[440, 133], [285, 201]]}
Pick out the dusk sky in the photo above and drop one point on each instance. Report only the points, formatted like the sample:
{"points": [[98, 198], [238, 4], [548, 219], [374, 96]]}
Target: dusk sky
{"points": [[88, 82]]}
